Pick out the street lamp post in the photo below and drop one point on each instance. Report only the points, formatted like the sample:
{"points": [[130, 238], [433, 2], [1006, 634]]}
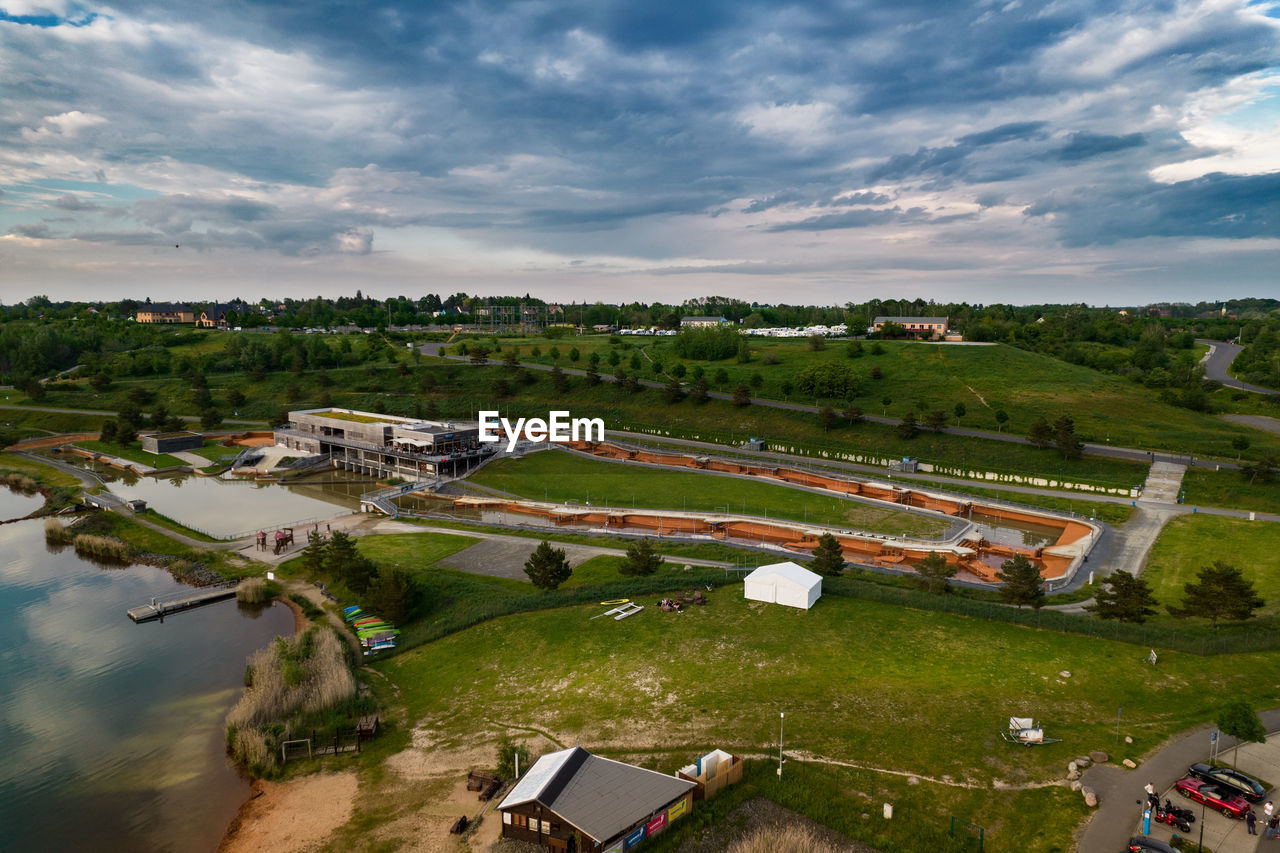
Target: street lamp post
{"points": [[782, 719]]}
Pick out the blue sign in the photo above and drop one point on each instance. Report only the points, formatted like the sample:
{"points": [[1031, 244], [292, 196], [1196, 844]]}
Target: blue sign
{"points": [[635, 837]]}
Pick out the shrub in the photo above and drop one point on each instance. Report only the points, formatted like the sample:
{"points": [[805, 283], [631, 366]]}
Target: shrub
{"points": [[104, 547], [252, 591], [768, 839], [56, 531]]}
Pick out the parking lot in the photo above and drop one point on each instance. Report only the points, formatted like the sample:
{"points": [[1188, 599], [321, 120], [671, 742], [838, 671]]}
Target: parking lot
{"points": [[1222, 834]]}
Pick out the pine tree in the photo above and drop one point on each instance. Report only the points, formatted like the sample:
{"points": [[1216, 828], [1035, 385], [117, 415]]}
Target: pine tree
{"points": [[907, 428], [1020, 582], [1040, 434], [558, 380], [1064, 435], [828, 557], [1124, 598], [641, 560], [935, 573], [313, 555], [547, 567], [392, 595], [1220, 591]]}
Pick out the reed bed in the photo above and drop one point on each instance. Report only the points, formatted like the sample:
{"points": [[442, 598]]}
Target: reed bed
{"points": [[252, 591], [771, 839], [102, 547], [289, 681], [21, 482], [57, 532]]}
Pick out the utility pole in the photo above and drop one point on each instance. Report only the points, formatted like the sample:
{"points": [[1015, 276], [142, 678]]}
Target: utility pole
{"points": [[782, 719]]}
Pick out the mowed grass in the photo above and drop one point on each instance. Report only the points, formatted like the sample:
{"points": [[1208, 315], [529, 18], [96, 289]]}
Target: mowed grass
{"points": [[871, 684], [1191, 542], [412, 551], [560, 476], [46, 475], [134, 453]]}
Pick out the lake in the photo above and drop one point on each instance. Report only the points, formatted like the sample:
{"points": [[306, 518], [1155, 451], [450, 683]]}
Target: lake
{"points": [[112, 732]]}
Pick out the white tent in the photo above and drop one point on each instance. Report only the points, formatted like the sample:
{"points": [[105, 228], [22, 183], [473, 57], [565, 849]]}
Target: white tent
{"points": [[784, 583]]}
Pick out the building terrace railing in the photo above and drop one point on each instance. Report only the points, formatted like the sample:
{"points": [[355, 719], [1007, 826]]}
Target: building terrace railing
{"points": [[387, 449]]}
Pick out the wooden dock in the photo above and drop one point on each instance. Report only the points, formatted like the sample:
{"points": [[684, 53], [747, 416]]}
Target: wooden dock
{"points": [[159, 608]]}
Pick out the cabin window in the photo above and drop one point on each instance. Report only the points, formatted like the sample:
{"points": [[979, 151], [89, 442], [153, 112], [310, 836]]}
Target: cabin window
{"points": [[506, 817], [546, 826]]}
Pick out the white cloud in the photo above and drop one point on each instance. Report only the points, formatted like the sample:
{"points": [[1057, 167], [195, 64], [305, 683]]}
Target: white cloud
{"points": [[61, 127]]}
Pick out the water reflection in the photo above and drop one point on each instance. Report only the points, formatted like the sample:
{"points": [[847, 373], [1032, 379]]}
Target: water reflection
{"points": [[15, 504], [223, 507], [112, 732]]}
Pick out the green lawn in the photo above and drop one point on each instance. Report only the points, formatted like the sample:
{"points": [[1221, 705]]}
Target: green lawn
{"points": [[1229, 489], [134, 453], [918, 377], [871, 684], [46, 475], [1190, 542], [560, 476], [412, 550]]}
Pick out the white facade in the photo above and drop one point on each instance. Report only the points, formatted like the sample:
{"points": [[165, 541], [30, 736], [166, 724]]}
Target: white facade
{"points": [[784, 583]]}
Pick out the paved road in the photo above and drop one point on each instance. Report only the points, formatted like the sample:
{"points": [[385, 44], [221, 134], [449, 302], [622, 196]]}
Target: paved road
{"points": [[1218, 361], [1130, 453], [107, 414], [1119, 790]]}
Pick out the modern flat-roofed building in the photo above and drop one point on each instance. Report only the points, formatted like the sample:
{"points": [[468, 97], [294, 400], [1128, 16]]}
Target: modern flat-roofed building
{"points": [[572, 800], [385, 445], [918, 327], [164, 312]]}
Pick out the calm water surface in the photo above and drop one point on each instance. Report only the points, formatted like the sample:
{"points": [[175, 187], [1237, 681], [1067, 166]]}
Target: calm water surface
{"points": [[16, 504], [225, 507], [111, 732]]}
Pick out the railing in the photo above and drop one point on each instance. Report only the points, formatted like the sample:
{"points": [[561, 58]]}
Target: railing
{"points": [[386, 449]]}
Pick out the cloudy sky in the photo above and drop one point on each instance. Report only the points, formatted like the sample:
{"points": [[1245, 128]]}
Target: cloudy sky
{"points": [[809, 152]]}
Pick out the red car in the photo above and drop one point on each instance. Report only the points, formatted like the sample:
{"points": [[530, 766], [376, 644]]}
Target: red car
{"points": [[1231, 805]]}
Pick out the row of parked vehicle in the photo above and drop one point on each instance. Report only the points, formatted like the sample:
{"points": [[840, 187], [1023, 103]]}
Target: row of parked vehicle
{"points": [[1222, 789]]}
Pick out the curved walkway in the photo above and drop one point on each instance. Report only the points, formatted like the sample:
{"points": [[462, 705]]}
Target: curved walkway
{"points": [[1120, 790]]}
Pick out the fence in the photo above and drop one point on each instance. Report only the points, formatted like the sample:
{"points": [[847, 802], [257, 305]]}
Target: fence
{"points": [[341, 740], [1194, 640]]}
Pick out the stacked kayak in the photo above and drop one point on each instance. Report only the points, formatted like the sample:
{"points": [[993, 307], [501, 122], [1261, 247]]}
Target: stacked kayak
{"points": [[375, 634]]}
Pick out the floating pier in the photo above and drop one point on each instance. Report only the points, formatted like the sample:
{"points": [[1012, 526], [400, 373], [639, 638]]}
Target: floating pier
{"points": [[159, 608]]}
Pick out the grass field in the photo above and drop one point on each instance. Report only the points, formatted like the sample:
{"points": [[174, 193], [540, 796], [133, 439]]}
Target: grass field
{"points": [[1229, 489], [918, 377], [1191, 542], [133, 452], [561, 477], [46, 475], [847, 674]]}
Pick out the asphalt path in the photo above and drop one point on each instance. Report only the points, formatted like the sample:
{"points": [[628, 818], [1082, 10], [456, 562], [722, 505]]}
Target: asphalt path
{"points": [[1093, 449], [1120, 790], [1218, 362]]}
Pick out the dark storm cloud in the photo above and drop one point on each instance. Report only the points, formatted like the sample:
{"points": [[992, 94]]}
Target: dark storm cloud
{"points": [[1222, 206], [585, 126]]}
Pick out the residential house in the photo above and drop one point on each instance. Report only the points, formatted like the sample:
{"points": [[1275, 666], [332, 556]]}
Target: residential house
{"points": [[165, 312], [928, 328]]}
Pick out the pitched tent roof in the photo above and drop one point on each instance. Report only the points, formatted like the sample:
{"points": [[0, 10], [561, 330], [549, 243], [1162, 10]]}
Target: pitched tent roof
{"points": [[783, 583], [602, 798]]}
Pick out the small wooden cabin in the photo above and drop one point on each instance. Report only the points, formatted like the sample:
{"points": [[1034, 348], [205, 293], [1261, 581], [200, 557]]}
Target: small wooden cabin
{"points": [[576, 802]]}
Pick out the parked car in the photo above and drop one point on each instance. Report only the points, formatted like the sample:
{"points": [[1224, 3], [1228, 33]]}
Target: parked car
{"points": [[1229, 803], [1140, 843], [1224, 777]]}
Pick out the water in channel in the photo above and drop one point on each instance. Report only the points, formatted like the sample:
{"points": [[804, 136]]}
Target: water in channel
{"points": [[111, 732]]}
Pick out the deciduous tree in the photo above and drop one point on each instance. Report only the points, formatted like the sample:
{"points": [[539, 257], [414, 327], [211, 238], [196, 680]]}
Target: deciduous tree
{"points": [[1240, 721]]}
